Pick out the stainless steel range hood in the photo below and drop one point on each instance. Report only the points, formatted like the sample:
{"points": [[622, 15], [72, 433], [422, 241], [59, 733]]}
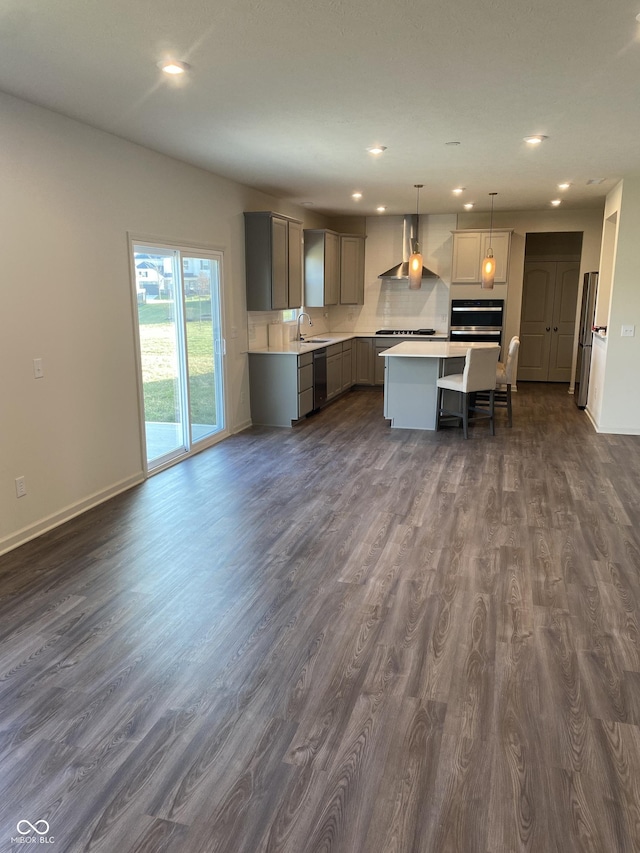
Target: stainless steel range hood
{"points": [[409, 235]]}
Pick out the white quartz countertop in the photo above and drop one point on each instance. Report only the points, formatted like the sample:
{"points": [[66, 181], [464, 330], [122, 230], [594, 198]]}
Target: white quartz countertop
{"points": [[326, 339], [322, 339], [432, 349]]}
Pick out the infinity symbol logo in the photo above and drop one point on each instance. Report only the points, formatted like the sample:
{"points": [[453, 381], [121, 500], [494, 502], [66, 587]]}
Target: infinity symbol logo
{"points": [[40, 826]]}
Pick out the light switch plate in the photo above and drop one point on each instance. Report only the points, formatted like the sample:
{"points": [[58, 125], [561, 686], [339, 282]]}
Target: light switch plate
{"points": [[628, 331]]}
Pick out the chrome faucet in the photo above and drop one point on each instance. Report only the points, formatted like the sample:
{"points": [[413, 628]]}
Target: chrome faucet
{"points": [[300, 316]]}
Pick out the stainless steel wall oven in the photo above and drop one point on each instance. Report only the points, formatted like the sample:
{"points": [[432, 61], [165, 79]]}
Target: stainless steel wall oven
{"points": [[477, 320]]}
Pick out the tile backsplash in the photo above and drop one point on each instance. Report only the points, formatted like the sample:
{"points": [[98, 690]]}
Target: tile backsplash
{"points": [[390, 304], [259, 322]]}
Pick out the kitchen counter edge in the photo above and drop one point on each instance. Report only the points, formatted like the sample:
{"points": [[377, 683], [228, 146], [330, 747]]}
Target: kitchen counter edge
{"points": [[433, 349], [329, 338]]}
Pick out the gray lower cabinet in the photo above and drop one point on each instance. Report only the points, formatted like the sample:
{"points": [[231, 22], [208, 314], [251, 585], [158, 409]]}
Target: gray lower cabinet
{"points": [[364, 361], [281, 387], [281, 384], [378, 362], [305, 384], [339, 368], [347, 365], [334, 371], [369, 366]]}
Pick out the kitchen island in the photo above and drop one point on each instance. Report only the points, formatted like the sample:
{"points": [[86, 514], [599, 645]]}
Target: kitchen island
{"points": [[411, 371]]}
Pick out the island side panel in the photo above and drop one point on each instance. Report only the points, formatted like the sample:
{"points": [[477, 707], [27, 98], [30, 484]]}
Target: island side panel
{"points": [[410, 392]]}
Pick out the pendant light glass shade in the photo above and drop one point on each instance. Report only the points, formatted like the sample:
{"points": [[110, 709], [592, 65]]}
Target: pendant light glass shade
{"points": [[489, 262], [415, 261], [488, 270], [415, 269]]}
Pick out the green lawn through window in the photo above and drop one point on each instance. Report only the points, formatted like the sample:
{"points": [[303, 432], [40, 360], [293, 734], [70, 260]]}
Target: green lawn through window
{"points": [[158, 362]]}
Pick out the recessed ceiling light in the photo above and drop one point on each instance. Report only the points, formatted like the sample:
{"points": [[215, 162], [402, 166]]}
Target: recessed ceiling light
{"points": [[377, 149], [535, 140], [307, 203], [357, 196], [564, 186], [459, 190], [556, 202], [381, 208], [173, 66], [468, 205], [595, 181]]}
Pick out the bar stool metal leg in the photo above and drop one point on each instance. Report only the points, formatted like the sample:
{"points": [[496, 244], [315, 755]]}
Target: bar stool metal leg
{"points": [[465, 414], [492, 410]]}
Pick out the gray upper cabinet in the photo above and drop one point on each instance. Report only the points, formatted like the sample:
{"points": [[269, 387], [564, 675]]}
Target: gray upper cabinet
{"points": [[469, 249], [273, 256], [351, 269], [295, 263], [321, 268]]}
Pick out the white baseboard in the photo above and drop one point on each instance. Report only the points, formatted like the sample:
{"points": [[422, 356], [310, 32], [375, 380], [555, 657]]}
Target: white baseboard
{"points": [[606, 429], [616, 430], [66, 514], [242, 426]]}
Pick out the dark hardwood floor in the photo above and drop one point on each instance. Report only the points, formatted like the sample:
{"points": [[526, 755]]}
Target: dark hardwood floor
{"points": [[339, 637]]}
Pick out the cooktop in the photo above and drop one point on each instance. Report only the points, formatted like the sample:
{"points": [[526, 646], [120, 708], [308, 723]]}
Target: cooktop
{"points": [[406, 332]]}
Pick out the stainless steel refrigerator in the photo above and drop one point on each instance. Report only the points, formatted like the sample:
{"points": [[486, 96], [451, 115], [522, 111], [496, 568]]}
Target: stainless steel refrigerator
{"points": [[585, 338]]}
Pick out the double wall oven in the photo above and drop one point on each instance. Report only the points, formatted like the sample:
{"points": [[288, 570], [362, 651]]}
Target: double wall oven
{"points": [[477, 320]]}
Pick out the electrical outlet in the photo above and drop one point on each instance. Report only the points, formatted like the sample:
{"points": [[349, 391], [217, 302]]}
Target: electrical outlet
{"points": [[21, 488], [628, 331]]}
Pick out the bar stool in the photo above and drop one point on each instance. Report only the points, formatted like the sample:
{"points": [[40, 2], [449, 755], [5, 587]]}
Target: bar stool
{"points": [[479, 374], [505, 376]]}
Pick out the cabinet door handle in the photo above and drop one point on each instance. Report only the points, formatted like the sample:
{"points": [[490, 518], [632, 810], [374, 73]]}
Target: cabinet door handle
{"points": [[555, 328], [548, 328]]}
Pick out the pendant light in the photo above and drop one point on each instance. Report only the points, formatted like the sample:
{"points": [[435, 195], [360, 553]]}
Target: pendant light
{"points": [[489, 262], [415, 261]]}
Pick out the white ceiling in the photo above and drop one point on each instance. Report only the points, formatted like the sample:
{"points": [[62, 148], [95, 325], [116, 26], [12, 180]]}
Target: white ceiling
{"points": [[286, 95]]}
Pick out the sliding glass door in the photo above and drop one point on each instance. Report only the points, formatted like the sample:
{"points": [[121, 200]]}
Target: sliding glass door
{"points": [[181, 348]]}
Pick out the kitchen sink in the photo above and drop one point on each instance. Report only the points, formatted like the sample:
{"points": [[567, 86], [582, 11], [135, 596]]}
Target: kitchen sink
{"points": [[317, 341]]}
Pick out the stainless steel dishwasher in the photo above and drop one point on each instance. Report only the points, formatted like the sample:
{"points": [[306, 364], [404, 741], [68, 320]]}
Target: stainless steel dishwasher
{"points": [[319, 377]]}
